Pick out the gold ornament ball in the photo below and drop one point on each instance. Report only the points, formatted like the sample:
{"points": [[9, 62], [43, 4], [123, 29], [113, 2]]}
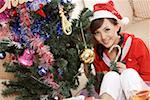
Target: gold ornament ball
{"points": [[87, 56]]}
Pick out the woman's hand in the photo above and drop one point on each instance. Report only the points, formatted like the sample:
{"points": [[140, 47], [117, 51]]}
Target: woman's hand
{"points": [[121, 66]]}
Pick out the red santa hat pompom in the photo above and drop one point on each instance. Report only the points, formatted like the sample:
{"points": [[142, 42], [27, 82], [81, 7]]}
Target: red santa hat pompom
{"points": [[106, 9]]}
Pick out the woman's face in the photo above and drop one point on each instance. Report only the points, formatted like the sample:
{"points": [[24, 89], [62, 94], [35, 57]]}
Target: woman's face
{"points": [[107, 34]]}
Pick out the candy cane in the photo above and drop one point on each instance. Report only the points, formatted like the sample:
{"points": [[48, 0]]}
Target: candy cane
{"points": [[119, 52]]}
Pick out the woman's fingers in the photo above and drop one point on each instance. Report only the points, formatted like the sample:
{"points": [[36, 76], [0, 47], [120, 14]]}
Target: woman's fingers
{"points": [[120, 70], [121, 67]]}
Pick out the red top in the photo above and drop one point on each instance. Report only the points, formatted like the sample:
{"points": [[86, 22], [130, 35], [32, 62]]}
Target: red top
{"points": [[137, 56]]}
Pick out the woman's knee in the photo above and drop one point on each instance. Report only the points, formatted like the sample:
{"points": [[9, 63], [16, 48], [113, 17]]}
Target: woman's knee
{"points": [[112, 74], [129, 74], [111, 85], [131, 82], [111, 77], [129, 71]]}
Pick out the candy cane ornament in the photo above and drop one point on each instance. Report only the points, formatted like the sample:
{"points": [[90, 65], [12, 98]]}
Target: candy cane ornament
{"points": [[119, 51]]}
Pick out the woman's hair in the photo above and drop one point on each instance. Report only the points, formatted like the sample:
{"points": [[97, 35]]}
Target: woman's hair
{"points": [[97, 23]]}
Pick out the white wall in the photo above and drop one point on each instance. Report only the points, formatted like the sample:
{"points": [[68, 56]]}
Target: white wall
{"points": [[79, 5]]}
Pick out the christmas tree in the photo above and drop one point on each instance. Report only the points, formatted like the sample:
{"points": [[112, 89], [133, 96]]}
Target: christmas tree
{"points": [[45, 47]]}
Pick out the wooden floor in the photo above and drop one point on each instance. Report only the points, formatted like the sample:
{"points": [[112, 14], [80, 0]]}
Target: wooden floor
{"points": [[4, 76], [1, 88]]}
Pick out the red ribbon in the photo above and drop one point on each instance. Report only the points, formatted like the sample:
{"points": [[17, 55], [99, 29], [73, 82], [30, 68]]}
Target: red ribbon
{"points": [[40, 11]]}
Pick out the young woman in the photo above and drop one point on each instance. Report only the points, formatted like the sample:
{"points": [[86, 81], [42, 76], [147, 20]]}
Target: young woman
{"points": [[134, 62]]}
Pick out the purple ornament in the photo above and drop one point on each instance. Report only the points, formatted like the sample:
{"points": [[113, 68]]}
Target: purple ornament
{"points": [[65, 1], [42, 71], [2, 54]]}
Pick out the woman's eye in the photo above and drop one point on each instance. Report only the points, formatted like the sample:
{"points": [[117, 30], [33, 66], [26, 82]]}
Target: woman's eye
{"points": [[96, 33], [107, 29]]}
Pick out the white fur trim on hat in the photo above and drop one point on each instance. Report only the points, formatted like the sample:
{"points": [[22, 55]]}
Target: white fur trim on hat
{"points": [[107, 14], [102, 1], [102, 14]]}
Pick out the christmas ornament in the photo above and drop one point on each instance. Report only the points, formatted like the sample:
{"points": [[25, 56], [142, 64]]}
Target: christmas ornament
{"points": [[59, 29], [119, 51], [42, 71], [66, 25], [56, 98], [65, 1], [27, 58], [87, 56], [2, 54], [60, 73], [48, 1]]}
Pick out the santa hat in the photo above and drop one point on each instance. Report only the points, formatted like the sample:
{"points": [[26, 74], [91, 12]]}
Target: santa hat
{"points": [[106, 9]]}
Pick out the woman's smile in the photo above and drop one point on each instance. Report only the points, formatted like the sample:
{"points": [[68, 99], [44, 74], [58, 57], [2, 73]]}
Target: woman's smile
{"points": [[106, 34], [106, 41]]}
